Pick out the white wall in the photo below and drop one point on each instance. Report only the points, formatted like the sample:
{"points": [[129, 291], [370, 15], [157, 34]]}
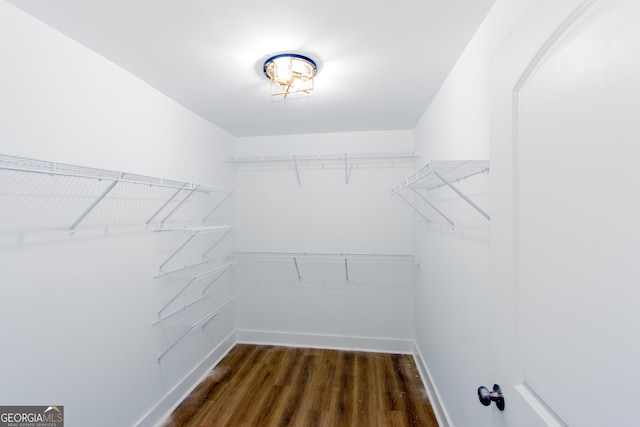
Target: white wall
{"points": [[324, 214], [452, 292], [77, 312]]}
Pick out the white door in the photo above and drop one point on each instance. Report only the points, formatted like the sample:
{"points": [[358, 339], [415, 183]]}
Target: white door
{"points": [[565, 201]]}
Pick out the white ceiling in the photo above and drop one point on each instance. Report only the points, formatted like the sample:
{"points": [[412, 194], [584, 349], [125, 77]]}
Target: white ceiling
{"points": [[381, 61]]}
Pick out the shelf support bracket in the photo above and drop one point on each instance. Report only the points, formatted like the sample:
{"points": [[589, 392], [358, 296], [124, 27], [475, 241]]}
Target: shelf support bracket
{"points": [[218, 310], [347, 170], [184, 267], [295, 166], [204, 322], [184, 288], [215, 279], [95, 203], [433, 207], [346, 270], [190, 282], [178, 250], [174, 344], [164, 205], [193, 190], [183, 308], [216, 208], [464, 197], [295, 262], [204, 255], [414, 208]]}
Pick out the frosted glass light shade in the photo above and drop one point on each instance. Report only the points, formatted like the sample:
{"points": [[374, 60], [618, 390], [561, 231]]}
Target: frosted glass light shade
{"points": [[290, 73]]}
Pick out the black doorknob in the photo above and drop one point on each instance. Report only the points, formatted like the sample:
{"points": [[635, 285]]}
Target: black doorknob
{"points": [[486, 396]]}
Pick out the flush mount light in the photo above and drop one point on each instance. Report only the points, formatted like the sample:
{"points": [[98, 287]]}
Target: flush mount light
{"points": [[290, 73]]}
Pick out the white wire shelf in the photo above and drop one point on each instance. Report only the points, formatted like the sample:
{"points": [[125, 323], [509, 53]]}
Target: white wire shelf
{"points": [[433, 174], [343, 259], [342, 160], [112, 178], [24, 164], [440, 174], [328, 257], [196, 228], [324, 158]]}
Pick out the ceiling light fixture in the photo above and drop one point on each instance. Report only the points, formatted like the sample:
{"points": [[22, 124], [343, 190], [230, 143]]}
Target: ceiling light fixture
{"points": [[290, 73]]}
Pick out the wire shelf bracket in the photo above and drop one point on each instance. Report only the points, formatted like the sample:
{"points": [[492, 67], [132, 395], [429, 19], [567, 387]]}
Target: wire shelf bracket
{"points": [[93, 205], [216, 207], [346, 270], [202, 323], [433, 206], [195, 231], [295, 262], [464, 197], [180, 310], [169, 200], [295, 166], [412, 206], [175, 208], [217, 272]]}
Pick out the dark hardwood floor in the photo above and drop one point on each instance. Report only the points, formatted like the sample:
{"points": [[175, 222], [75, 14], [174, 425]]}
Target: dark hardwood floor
{"points": [[281, 386]]}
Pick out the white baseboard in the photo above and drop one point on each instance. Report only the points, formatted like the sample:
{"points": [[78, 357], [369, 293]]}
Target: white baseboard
{"points": [[337, 342], [444, 420], [165, 406]]}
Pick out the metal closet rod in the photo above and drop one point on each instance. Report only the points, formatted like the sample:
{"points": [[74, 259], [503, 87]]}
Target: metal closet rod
{"points": [[323, 157], [24, 164]]}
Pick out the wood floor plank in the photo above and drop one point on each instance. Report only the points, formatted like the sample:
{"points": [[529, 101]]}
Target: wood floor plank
{"points": [[233, 395], [280, 386]]}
